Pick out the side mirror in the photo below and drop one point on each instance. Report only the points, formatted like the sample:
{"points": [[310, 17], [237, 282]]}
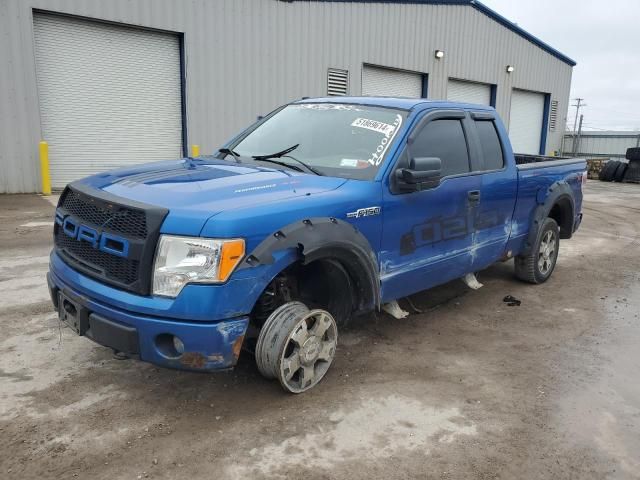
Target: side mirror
{"points": [[422, 173]]}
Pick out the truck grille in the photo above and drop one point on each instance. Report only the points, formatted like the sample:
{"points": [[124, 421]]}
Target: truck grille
{"points": [[121, 270], [127, 222], [136, 223]]}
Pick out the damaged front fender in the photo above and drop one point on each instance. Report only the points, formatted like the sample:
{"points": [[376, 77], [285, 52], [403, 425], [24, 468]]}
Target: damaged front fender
{"points": [[325, 237]]}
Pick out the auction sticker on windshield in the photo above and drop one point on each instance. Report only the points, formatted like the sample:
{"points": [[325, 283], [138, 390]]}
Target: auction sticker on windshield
{"points": [[388, 131], [380, 127]]}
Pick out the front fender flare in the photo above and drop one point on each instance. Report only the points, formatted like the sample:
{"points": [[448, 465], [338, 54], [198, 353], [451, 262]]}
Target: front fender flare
{"points": [[326, 237]]}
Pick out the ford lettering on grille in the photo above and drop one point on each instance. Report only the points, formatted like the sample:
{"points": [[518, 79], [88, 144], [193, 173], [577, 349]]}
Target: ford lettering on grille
{"points": [[103, 241]]}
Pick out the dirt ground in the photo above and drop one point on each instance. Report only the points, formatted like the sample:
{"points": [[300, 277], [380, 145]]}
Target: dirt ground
{"points": [[471, 389]]}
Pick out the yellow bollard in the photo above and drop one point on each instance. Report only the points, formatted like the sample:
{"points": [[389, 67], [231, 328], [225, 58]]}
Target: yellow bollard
{"points": [[44, 168], [195, 150]]}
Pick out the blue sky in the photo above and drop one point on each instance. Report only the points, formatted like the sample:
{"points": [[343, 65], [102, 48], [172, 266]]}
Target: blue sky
{"points": [[604, 38]]}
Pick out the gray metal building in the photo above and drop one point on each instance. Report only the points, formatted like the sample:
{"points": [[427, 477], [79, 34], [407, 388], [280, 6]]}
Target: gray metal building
{"points": [[606, 144], [110, 83]]}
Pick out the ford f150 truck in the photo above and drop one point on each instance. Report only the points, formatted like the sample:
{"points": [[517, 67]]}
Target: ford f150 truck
{"points": [[324, 209]]}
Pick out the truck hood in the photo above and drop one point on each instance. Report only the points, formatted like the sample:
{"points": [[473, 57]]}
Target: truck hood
{"points": [[195, 190]]}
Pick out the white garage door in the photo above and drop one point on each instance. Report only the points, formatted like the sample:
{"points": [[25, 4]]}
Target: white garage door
{"points": [[469, 92], [525, 121], [109, 95], [385, 82]]}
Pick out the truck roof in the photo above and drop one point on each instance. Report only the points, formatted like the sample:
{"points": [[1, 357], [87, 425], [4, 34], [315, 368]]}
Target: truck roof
{"points": [[395, 102]]}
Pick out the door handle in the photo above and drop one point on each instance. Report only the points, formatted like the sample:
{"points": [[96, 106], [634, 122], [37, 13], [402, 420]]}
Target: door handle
{"points": [[474, 196]]}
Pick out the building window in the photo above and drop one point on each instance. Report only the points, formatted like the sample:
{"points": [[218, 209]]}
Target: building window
{"points": [[337, 82]]}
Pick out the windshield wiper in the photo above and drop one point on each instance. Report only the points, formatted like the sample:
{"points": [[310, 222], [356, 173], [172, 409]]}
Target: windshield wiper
{"points": [[285, 153], [228, 151], [284, 164], [279, 154]]}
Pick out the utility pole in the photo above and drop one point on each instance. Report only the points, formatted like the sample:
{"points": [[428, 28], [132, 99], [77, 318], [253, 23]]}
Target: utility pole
{"points": [[579, 104], [576, 143]]}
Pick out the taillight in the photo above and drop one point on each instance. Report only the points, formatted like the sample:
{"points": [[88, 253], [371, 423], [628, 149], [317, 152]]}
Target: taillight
{"points": [[584, 178]]}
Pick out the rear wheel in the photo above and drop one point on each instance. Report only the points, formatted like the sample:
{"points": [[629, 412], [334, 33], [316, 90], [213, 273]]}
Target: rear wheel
{"points": [[538, 265], [297, 346]]}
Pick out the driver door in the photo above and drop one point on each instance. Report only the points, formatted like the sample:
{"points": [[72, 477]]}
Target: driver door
{"points": [[427, 234]]}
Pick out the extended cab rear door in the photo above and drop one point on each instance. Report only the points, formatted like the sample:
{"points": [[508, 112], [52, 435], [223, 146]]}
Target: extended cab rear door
{"points": [[493, 160], [427, 234]]}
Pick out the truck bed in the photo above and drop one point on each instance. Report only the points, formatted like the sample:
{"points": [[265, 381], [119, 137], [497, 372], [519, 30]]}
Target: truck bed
{"points": [[525, 159], [536, 173]]}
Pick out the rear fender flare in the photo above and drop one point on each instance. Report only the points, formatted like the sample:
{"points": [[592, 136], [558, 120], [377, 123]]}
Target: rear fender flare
{"points": [[325, 237], [559, 193]]}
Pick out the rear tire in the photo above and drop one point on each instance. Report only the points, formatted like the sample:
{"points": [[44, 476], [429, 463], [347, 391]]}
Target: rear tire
{"points": [[538, 265]]}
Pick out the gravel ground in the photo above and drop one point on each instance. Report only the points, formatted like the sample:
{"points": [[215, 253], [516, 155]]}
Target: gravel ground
{"points": [[472, 388]]}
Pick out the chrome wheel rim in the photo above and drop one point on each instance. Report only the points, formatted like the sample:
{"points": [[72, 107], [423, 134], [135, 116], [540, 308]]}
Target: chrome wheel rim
{"points": [[547, 252], [308, 351]]}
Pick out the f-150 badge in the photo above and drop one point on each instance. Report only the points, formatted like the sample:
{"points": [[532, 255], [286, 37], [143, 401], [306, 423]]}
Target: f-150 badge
{"points": [[364, 212]]}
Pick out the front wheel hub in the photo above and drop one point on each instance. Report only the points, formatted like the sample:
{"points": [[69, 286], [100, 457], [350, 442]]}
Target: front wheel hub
{"points": [[310, 350]]}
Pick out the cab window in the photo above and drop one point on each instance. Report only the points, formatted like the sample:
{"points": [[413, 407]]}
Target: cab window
{"points": [[490, 145], [444, 138]]}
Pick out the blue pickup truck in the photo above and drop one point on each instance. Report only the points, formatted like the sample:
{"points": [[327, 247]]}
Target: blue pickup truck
{"points": [[324, 209]]}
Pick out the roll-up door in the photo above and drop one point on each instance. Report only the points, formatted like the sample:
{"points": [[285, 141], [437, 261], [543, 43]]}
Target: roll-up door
{"points": [[525, 121], [469, 92], [110, 95], [386, 82]]}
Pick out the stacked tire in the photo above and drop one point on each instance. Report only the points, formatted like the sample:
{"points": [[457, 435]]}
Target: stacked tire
{"points": [[632, 172], [633, 154], [613, 170]]}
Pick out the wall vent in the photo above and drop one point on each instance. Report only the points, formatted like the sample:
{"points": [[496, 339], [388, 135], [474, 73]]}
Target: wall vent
{"points": [[337, 82], [553, 115]]}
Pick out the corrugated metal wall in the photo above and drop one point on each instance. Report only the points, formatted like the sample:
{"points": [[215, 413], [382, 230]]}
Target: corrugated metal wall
{"points": [[245, 57], [602, 144]]}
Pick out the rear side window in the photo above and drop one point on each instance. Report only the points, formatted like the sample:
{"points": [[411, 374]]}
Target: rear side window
{"points": [[490, 145], [443, 139]]}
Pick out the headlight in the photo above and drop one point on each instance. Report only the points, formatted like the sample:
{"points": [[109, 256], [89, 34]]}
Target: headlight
{"points": [[182, 260]]}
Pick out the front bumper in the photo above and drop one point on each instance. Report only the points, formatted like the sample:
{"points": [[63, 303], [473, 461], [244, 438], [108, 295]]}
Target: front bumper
{"points": [[207, 345]]}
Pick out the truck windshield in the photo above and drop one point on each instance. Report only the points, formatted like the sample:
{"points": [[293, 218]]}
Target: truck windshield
{"points": [[341, 140]]}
